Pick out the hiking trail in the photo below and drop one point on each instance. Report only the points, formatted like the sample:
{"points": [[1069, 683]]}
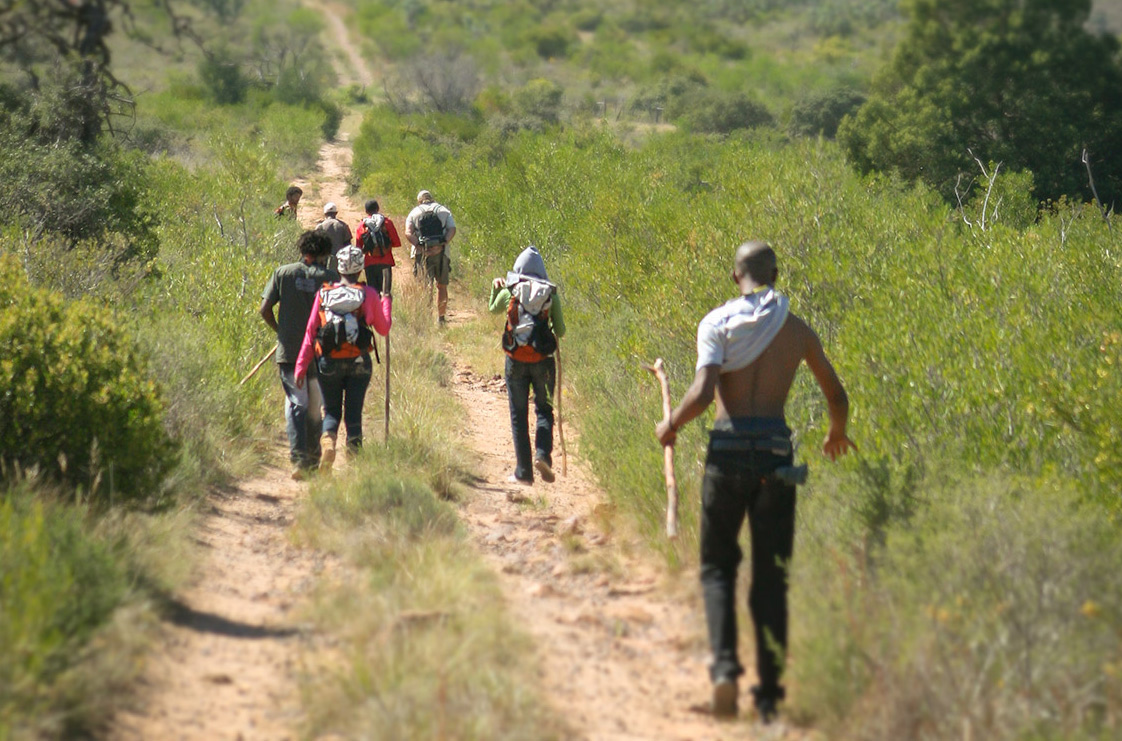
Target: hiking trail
{"points": [[620, 645]]}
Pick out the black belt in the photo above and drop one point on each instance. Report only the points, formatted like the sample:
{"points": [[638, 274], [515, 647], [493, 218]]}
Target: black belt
{"points": [[776, 445]]}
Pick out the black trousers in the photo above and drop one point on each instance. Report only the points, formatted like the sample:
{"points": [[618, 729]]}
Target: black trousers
{"points": [[739, 482]]}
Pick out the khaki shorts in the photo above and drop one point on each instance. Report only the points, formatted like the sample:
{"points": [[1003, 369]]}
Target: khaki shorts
{"points": [[438, 267]]}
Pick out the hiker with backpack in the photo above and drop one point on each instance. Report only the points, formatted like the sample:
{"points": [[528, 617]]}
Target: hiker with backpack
{"points": [[337, 345], [294, 288], [376, 236], [336, 229], [429, 227], [291, 200], [748, 351], [533, 323]]}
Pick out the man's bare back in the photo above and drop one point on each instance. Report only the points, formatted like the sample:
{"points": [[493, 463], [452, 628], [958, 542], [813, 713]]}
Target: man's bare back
{"points": [[760, 389]]}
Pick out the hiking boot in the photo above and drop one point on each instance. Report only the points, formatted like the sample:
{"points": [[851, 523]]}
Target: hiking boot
{"points": [[512, 479], [541, 465], [299, 473], [327, 452], [724, 698], [766, 709]]}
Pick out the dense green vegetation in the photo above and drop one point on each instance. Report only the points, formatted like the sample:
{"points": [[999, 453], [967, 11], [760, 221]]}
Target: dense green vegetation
{"points": [[137, 255], [977, 350], [954, 578]]}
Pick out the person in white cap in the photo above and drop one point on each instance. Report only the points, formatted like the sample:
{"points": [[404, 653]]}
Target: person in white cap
{"points": [[338, 340], [429, 227], [339, 232]]}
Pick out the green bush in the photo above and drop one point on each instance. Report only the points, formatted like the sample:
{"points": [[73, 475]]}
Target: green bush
{"points": [[820, 113], [58, 585], [79, 404], [717, 112], [221, 74]]}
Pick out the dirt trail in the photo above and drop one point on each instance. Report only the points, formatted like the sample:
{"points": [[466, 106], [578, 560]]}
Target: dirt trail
{"points": [[622, 651], [228, 666]]}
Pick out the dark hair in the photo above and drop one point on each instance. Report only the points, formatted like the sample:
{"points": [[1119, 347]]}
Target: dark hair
{"points": [[314, 243], [293, 190], [371, 206]]}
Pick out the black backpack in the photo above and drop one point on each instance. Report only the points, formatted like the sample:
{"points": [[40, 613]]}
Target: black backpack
{"points": [[375, 237], [431, 228]]}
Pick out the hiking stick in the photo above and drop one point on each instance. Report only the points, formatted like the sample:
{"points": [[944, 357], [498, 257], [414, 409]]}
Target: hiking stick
{"points": [[257, 367], [560, 425], [387, 282], [667, 453]]}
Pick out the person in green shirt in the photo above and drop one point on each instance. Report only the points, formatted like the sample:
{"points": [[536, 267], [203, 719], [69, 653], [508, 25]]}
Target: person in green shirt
{"points": [[534, 322], [294, 288]]}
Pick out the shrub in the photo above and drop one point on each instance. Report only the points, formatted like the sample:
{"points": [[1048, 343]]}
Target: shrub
{"points": [[716, 112], [222, 76], [820, 113], [78, 403], [60, 585], [539, 99]]}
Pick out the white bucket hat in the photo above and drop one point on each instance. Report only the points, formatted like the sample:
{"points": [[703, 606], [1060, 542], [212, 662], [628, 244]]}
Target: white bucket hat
{"points": [[350, 260]]}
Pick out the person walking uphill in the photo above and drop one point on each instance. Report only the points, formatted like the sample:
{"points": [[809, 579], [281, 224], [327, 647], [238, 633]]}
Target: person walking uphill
{"points": [[295, 287], [533, 324], [337, 343], [747, 353], [377, 236], [336, 229], [430, 227]]}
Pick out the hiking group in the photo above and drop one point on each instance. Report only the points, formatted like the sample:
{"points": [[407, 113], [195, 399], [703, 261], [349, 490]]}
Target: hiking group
{"points": [[748, 352]]}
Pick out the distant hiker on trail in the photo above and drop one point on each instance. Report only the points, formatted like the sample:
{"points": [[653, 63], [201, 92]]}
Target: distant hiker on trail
{"points": [[747, 353], [291, 200], [337, 343], [376, 235], [295, 288], [429, 227], [337, 230], [533, 324]]}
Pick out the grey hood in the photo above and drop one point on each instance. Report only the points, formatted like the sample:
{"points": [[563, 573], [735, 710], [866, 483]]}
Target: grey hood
{"points": [[528, 265]]}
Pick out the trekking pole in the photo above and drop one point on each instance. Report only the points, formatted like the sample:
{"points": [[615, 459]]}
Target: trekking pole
{"points": [[560, 425], [387, 282], [667, 453], [257, 367]]}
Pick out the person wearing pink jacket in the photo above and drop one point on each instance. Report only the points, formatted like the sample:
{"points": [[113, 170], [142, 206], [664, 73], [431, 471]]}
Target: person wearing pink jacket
{"points": [[338, 339]]}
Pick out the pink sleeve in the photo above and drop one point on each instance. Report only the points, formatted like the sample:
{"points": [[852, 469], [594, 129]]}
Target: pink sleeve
{"points": [[378, 310], [304, 359]]}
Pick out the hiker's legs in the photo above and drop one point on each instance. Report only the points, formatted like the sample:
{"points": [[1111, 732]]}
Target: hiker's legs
{"points": [[313, 421], [296, 413], [771, 521], [441, 299], [723, 495], [518, 394], [438, 268], [374, 276], [543, 376], [354, 385], [332, 387]]}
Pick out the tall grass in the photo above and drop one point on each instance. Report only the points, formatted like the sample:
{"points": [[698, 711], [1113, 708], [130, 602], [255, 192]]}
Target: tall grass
{"points": [[426, 650]]}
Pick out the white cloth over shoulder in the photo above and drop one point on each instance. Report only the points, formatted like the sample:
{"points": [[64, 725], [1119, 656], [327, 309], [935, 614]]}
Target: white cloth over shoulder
{"points": [[736, 333]]}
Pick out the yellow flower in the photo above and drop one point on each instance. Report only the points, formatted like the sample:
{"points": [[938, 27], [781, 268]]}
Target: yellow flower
{"points": [[1090, 609]]}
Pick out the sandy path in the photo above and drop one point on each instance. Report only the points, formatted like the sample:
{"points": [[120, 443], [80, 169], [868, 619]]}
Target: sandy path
{"points": [[228, 667], [623, 652]]}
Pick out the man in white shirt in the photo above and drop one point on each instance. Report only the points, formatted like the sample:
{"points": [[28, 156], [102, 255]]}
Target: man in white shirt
{"points": [[429, 228]]}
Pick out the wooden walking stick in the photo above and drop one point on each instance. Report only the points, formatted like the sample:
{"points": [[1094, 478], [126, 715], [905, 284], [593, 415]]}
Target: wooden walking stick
{"points": [[560, 426], [257, 367], [387, 282], [667, 453]]}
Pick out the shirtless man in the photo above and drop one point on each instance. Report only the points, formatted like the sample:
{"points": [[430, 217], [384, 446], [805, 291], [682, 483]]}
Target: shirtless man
{"points": [[748, 352]]}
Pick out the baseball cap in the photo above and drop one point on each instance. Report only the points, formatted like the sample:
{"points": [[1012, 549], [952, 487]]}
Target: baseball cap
{"points": [[330, 208], [423, 196]]}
